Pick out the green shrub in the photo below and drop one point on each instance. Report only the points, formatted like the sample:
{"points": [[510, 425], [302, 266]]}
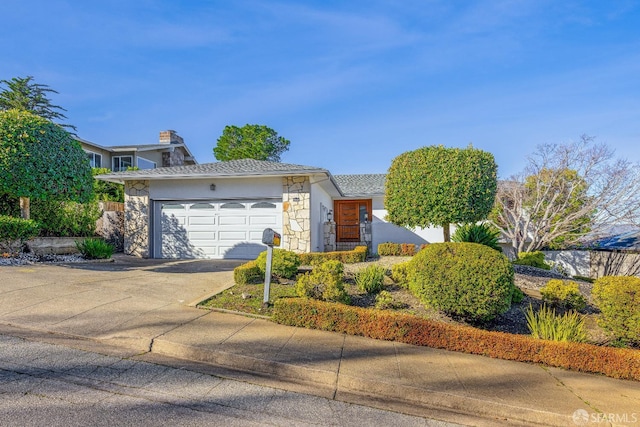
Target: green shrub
{"points": [[388, 249], [396, 249], [9, 205], [463, 279], [14, 232], [370, 279], [106, 191], [563, 293], [94, 248], [532, 259], [546, 325], [324, 282], [517, 295], [400, 273], [384, 300], [284, 263], [484, 234], [618, 298], [359, 254], [247, 273], [65, 219]]}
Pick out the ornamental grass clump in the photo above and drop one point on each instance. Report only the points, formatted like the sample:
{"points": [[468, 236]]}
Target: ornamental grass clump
{"points": [[547, 325], [370, 279], [94, 248]]}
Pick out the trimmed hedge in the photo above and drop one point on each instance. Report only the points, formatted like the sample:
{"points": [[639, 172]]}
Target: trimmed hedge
{"points": [[15, 231], [359, 254], [399, 249], [612, 362], [247, 273]]}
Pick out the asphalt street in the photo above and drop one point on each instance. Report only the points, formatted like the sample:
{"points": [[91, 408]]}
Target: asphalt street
{"points": [[42, 384]]}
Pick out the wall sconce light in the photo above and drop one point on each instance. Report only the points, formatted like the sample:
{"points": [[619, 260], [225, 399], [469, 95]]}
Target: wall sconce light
{"points": [[329, 216], [212, 187]]}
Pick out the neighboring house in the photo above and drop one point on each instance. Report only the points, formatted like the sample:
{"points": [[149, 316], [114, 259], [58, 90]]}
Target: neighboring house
{"points": [[219, 210], [169, 151]]}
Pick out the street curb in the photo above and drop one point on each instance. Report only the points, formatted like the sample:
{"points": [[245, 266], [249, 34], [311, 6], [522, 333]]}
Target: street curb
{"points": [[244, 363], [383, 395]]}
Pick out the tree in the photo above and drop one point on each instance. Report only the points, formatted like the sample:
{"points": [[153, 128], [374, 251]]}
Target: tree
{"points": [[39, 159], [437, 186], [250, 142], [566, 192], [23, 94]]}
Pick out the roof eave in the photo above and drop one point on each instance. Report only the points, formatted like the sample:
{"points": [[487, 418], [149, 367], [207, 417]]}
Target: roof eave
{"points": [[121, 178]]}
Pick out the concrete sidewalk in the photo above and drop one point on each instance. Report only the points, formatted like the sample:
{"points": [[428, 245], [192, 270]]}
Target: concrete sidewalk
{"points": [[142, 308]]}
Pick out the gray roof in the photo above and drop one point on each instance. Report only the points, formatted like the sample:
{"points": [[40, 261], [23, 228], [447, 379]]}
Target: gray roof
{"points": [[361, 185], [243, 167]]}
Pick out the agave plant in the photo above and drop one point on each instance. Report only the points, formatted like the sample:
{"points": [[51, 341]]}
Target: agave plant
{"points": [[485, 234]]}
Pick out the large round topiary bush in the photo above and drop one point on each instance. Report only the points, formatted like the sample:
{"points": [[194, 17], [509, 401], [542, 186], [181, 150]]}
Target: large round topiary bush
{"points": [[464, 279]]}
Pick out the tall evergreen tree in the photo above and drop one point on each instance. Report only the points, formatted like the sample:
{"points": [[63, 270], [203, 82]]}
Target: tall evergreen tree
{"points": [[22, 93]]}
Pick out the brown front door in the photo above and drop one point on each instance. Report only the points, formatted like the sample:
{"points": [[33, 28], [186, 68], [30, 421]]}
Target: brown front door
{"points": [[349, 215]]}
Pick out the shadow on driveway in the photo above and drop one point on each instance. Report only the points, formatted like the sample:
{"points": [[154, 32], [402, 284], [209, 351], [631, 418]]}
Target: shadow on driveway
{"points": [[123, 262]]}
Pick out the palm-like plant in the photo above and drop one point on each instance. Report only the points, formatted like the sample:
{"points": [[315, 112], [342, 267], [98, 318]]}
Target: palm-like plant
{"points": [[485, 234]]}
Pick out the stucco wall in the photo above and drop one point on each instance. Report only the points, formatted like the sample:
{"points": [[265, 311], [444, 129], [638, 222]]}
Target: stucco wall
{"points": [[321, 203], [226, 188], [384, 231], [596, 264], [574, 263]]}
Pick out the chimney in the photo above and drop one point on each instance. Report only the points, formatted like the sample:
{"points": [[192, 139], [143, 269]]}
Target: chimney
{"points": [[170, 137]]}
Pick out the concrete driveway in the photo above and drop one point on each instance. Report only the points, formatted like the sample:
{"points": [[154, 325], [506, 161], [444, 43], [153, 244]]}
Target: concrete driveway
{"points": [[125, 302]]}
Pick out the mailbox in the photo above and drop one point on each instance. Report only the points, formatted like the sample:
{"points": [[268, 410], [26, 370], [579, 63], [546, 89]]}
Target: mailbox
{"points": [[270, 237]]}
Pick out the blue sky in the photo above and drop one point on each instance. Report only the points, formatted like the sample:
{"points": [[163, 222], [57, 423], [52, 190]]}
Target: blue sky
{"points": [[352, 84]]}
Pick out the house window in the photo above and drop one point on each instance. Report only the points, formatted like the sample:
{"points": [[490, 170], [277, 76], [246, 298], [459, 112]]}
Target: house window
{"points": [[95, 159], [121, 163], [145, 163], [232, 205]]}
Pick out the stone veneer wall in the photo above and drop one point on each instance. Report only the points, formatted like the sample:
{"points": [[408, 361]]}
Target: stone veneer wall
{"points": [[296, 215], [172, 158], [136, 218]]}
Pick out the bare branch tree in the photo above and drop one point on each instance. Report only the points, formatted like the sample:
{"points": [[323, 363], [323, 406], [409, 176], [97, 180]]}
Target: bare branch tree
{"points": [[566, 192]]}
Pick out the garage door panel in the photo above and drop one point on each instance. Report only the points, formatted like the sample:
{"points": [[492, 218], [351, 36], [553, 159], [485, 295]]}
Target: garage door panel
{"points": [[202, 220], [239, 219], [236, 235], [255, 236], [260, 220], [202, 236], [214, 229]]}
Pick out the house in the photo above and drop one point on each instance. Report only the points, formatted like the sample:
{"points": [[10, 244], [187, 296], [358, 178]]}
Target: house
{"points": [[169, 151], [219, 210]]}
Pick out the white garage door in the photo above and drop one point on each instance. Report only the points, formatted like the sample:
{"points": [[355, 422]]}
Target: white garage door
{"points": [[216, 229]]}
